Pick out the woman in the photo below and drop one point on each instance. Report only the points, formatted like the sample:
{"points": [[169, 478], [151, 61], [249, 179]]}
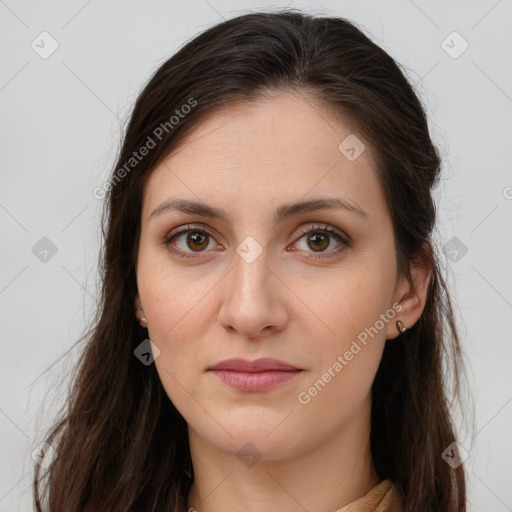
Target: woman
{"points": [[269, 228]]}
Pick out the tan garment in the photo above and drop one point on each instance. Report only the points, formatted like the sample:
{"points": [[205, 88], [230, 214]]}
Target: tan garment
{"points": [[384, 497]]}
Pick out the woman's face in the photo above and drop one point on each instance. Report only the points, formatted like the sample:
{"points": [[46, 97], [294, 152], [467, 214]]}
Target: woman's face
{"points": [[257, 285]]}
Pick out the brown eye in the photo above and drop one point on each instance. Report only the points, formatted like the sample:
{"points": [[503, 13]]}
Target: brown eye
{"points": [[319, 238], [197, 240], [186, 241], [318, 241]]}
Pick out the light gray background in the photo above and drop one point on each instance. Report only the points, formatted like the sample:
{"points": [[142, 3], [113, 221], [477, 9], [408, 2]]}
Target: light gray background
{"points": [[59, 134]]}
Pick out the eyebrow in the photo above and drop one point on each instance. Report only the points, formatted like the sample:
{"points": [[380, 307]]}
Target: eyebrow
{"points": [[282, 212]]}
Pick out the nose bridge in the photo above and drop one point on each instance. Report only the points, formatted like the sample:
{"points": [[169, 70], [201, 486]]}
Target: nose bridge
{"points": [[251, 302], [252, 257], [250, 270]]}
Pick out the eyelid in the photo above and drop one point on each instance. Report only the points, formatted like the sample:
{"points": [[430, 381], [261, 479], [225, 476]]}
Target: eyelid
{"points": [[323, 227], [191, 227]]}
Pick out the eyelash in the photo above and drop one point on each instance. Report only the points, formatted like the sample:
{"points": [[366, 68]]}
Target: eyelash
{"points": [[346, 243]]}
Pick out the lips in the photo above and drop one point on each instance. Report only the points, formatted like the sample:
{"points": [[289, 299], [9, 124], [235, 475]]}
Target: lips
{"points": [[258, 365], [259, 375]]}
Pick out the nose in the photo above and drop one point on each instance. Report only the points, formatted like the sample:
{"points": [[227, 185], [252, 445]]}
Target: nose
{"points": [[254, 300]]}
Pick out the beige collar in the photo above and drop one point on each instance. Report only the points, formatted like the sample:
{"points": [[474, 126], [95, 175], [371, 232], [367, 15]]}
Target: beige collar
{"points": [[384, 497]]}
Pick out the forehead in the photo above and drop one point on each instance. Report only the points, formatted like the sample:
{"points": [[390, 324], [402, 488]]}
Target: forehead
{"points": [[282, 147]]}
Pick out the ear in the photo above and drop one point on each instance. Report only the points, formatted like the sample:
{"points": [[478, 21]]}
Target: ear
{"points": [[411, 298], [137, 301]]}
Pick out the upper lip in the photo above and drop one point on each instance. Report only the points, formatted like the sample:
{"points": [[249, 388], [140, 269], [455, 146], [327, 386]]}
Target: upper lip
{"points": [[258, 365]]}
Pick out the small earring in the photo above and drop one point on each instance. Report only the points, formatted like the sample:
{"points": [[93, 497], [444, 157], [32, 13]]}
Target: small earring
{"points": [[400, 326], [142, 318]]}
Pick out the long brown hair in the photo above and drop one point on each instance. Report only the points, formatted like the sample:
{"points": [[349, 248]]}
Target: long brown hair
{"points": [[121, 443]]}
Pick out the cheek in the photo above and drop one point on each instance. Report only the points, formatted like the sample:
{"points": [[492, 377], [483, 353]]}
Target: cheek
{"points": [[348, 359], [355, 302], [176, 322], [174, 298], [175, 327], [175, 310], [357, 313]]}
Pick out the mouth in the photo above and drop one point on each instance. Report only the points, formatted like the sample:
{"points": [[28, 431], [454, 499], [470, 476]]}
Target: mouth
{"points": [[254, 381], [258, 375]]}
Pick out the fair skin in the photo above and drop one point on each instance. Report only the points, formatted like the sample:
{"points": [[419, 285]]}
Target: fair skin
{"points": [[249, 160]]}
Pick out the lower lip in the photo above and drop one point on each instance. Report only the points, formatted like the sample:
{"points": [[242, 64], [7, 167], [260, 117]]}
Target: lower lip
{"points": [[255, 381]]}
